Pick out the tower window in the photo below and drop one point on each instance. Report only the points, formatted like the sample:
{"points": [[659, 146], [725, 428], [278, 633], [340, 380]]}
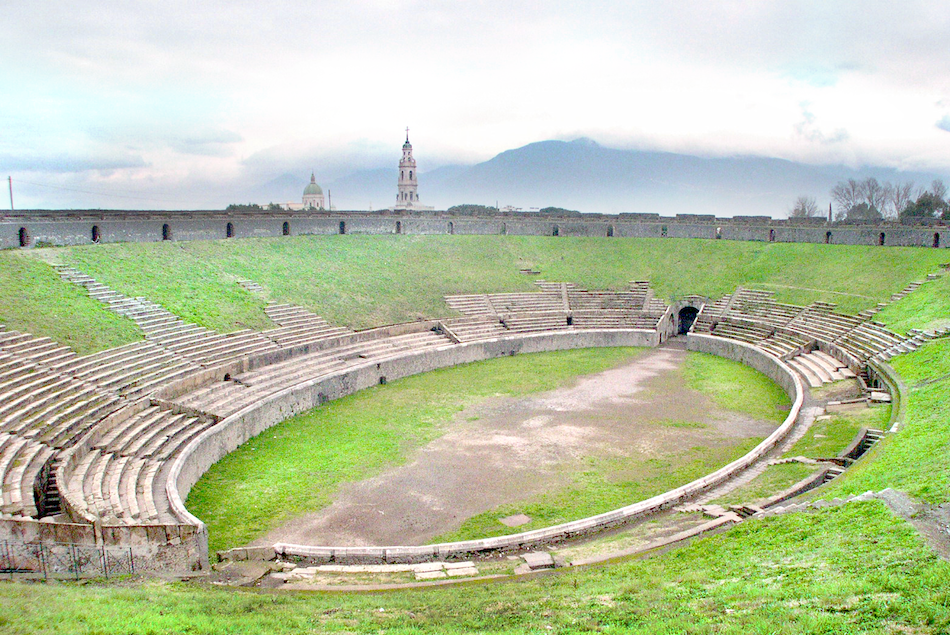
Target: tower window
{"points": [[410, 175]]}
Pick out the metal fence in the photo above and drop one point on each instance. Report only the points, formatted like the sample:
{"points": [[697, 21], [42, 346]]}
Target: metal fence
{"points": [[57, 560]]}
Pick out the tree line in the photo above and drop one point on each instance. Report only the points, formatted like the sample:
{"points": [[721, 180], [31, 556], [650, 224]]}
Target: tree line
{"points": [[871, 200]]}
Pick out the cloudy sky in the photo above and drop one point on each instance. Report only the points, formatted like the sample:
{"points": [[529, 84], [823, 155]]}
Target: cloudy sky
{"points": [[188, 104]]}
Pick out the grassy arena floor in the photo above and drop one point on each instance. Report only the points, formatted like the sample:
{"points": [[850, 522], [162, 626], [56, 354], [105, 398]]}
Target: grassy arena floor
{"points": [[297, 466], [853, 569]]}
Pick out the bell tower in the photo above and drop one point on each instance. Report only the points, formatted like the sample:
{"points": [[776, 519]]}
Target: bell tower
{"points": [[408, 195]]}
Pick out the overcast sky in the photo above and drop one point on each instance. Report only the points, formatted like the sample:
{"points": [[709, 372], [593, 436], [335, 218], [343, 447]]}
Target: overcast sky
{"points": [[180, 104]]}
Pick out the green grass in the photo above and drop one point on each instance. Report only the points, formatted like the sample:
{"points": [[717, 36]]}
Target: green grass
{"points": [[296, 466], [917, 458], [608, 484], [34, 299], [853, 569], [736, 387], [364, 281], [773, 480], [926, 308], [825, 438], [188, 278], [828, 437]]}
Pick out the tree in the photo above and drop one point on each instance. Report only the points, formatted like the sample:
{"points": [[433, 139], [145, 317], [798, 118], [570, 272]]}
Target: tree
{"points": [[244, 207], [845, 195], [805, 207], [938, 189], [927, 205], [865, 212], [471, 209], [875, 194], [901, 195]]}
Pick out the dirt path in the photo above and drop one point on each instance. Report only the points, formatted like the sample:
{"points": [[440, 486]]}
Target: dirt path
{"points": [[507, 450]]}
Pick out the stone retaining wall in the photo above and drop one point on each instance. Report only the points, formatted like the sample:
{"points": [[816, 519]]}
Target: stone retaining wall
{"points": [[188, 469]]}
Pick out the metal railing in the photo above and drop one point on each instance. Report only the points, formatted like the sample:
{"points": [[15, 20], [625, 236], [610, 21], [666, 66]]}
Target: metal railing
{"points": [[58, 560]]}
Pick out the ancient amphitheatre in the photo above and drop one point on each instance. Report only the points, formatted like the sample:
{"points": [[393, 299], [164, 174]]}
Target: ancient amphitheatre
{"points": [[115, 438]]}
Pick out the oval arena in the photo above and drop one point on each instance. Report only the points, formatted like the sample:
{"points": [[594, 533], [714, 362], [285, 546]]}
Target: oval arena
{"points": [[110, 444]]}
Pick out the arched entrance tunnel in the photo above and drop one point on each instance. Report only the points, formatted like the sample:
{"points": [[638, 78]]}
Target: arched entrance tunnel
{"points": [[687, 316]]}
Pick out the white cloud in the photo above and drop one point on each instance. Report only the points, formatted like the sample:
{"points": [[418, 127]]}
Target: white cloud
{"points": [[222, 93]]}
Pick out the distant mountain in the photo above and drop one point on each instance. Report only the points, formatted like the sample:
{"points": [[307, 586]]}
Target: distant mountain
{"points": [[586, 176]]}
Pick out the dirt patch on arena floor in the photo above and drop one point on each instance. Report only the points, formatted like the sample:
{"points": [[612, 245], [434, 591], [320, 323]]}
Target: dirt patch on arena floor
{"points": [[507, 450]]}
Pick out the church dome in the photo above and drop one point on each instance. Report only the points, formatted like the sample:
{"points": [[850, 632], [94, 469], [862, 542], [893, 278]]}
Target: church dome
{"points": [[312, 188]]}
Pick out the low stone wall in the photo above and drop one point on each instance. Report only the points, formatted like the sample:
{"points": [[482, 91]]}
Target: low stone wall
{"points": [[155, 548], [231, 432], [738, 351], [896, 387]]}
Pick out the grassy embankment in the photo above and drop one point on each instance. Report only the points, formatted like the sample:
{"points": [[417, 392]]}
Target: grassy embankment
{"points": [[364, 281], [34, 299], [855, 569], [297, 466]]}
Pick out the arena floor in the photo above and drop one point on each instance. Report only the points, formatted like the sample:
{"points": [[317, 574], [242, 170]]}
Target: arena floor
{"points": [[511, 450]]}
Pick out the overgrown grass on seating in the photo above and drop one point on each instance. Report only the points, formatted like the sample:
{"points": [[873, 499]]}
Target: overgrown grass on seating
{"points": [[926, 308], [853, 569], [826, 438], [363, 281], [34, 299], [296, 466], [773, 480], [917, 458]]}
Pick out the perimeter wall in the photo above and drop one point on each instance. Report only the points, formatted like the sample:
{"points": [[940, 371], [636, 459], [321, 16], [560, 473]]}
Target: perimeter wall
{"points": [[37, 228]]}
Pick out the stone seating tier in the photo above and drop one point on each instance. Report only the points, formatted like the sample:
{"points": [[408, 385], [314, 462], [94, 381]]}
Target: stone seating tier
{"points": [[532, 323], [469, 304], [508, 303], [38, 350], [209, 348], [20, 462], [469, 329], [117, 479], [226, 397], [129, 370]]}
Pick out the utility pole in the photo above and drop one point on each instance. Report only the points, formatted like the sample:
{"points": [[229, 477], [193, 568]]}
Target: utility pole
{"points": [[10, 181], [329, 200]]}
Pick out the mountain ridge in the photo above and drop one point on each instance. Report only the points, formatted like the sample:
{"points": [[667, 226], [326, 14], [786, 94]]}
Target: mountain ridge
{"points": [[584, 175]]}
